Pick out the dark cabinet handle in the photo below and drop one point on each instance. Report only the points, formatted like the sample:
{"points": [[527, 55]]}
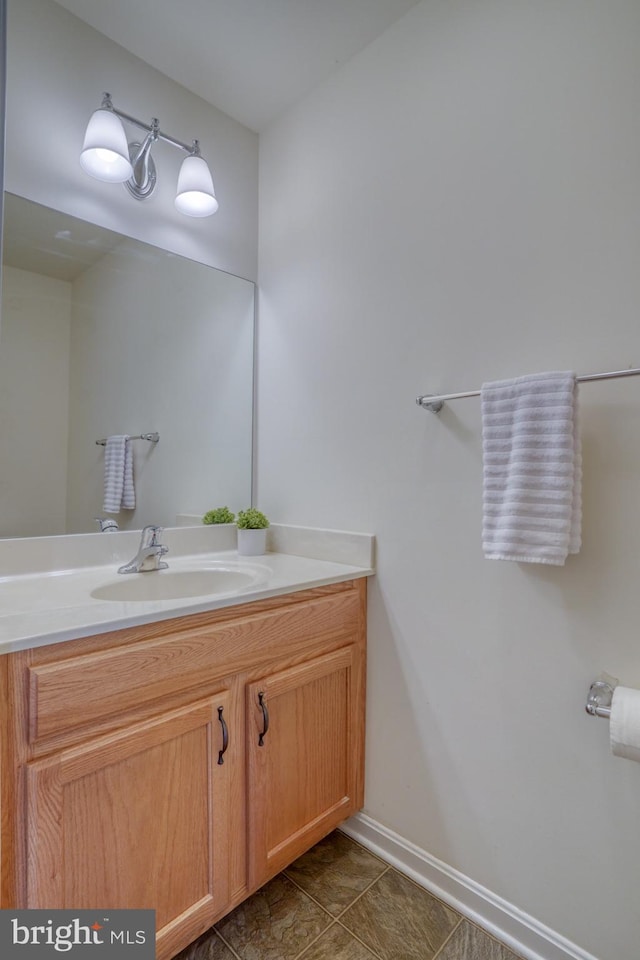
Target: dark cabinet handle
{"points": [[225, 736], [265, 719]]}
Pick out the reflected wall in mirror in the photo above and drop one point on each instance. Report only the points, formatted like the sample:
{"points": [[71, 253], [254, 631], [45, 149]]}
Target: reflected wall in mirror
{"points": [[99, 335]]}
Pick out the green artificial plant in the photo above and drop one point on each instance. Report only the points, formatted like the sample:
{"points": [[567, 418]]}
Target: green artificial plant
{"points": [[252, 519], [219, 515]]}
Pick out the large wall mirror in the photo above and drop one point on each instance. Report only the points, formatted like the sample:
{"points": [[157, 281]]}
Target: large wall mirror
{"points": [[101, 335]]}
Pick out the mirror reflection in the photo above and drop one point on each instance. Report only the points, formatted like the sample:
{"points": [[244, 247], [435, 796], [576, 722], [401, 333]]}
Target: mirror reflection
{"points": [[102, 335]]}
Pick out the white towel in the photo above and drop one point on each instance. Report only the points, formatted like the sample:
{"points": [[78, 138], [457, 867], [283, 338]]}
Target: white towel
{"points": [[532, 489], [119, 492]]}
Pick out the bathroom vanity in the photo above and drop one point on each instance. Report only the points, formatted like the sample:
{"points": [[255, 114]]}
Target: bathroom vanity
{"points": [[178, 764]]}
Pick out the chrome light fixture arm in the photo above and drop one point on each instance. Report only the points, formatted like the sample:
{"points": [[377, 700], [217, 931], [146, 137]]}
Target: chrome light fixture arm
{"points": [[196, 195], [143, 182], [154, 126]]}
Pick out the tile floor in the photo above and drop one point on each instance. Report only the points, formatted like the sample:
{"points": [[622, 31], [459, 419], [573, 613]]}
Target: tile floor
{"points": [[339, 902]]}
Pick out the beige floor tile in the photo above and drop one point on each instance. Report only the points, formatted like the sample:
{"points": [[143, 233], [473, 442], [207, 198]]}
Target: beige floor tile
{"points": [[394, 917], [276, 923], [337, 944], [336, 871], [470, 943], [399, 920], [207, 947]]}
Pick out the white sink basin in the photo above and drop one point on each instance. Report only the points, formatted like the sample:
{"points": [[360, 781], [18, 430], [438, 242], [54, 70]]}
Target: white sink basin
{"points": [[177, 584]]}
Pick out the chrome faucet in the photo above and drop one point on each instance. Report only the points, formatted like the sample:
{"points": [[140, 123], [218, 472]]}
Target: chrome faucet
{"points": [[149, 552], [106, 524]]}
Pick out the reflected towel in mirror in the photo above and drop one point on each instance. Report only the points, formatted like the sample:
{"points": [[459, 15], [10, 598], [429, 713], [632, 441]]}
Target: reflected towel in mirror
{"points": [[119, 491]]}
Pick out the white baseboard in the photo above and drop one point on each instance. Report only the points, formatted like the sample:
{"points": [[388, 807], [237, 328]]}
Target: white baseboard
{"points": [[520, 932]]}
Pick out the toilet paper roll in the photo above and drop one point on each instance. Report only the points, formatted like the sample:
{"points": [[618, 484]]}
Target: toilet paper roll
{"points": [[624, 723]]}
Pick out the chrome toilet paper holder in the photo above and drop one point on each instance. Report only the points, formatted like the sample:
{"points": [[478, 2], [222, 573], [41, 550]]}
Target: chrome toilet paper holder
{"points": [[600, 697]]}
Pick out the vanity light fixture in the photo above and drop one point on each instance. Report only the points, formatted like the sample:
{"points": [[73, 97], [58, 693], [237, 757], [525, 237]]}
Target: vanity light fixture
{"points": [[106, 155]]}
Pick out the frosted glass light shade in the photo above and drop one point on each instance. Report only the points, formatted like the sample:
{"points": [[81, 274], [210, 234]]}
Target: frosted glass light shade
{"points": [[195, 195], [105, 153]]}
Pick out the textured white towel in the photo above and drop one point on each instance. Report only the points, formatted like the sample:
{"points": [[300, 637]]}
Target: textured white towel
{"points": [[532, 489], [119, 492]]}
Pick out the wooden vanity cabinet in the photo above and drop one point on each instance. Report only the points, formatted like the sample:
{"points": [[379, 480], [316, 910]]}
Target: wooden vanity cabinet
{"points": [[304, 763], [180, 765], [134, 817]]}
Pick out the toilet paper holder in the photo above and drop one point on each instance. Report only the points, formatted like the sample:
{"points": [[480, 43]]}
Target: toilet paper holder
{"points": [[600, 697]]}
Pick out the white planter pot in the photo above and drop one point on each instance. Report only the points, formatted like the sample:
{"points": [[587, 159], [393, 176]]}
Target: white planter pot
{"points": [[252, 543]]}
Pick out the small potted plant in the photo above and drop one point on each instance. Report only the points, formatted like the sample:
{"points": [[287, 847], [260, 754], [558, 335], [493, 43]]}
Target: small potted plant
{"points": [[219, 515], [252, 532]]}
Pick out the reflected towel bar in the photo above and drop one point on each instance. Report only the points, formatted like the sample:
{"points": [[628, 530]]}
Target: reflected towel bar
{"points": [[434, 403], [151, 437]]}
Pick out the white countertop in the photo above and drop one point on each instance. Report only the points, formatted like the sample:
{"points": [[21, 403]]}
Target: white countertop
{"points": [[54, 605]]}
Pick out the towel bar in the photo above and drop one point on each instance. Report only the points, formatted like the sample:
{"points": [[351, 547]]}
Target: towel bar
{"points": [[151, 437], [435, 403]]}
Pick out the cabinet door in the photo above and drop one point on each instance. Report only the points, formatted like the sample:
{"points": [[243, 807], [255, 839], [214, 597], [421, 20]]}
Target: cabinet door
{"points": [[139, 818], [306, 733]]}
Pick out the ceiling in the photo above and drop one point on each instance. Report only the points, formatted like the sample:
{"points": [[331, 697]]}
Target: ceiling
{"points": [[250, 58], [50, 243]]}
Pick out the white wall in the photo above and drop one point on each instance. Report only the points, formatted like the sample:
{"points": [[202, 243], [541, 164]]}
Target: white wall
{"points": [[57, 69], [159, 344], [34, 403], [461, 203]]}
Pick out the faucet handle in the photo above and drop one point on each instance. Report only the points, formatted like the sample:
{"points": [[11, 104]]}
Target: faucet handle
{"points": [[151, 535]]}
